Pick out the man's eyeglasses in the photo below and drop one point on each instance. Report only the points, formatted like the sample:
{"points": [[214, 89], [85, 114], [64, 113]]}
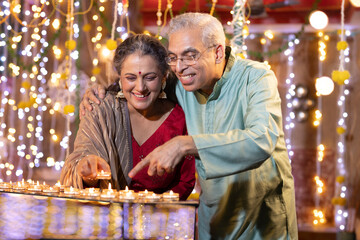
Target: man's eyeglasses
{"points": [[188, 60]]}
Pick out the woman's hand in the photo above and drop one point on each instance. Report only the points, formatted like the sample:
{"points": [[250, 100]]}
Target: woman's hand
{"points": [[90, 95], [89, 167]]}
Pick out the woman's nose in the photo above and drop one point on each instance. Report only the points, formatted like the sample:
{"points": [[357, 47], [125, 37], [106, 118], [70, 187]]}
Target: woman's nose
{"points": [[140, 85]]}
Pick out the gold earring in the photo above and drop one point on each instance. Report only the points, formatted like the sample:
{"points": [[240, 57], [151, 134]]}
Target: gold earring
{"points": [[120, 93], [163, 94]]}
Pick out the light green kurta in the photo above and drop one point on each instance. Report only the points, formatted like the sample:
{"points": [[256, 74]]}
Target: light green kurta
{"points": [[244, 169]]}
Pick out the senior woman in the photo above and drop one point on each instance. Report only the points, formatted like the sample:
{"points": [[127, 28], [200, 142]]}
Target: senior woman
{"points": [[131, 122]]}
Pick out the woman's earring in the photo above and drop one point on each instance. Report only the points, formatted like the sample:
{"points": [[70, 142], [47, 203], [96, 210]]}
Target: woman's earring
{"points": [[163, 94], [120, 93]]}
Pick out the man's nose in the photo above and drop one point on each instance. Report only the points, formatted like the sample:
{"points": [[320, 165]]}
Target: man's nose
{"points": [[180, 66]]}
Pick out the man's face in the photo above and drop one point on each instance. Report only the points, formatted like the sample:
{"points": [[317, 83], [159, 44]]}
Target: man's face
{"points": [[201, 75]]}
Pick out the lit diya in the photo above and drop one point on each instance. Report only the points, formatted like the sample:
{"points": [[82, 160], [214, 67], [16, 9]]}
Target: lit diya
{"points": [[108, 193], [71, 191], [170, 196], [127, 194], [153, 197], [4, 186], [35, 187], [51, 190], [103, 175]]}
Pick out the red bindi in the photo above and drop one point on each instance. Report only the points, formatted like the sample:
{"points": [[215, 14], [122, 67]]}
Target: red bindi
{"points": [[139, 73]]}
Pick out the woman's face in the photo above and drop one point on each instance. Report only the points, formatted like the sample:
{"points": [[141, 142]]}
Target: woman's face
{"points": [[141, 81]]}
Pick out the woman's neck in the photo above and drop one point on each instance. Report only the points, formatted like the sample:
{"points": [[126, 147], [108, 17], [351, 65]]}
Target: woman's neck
{"points": [[153, 113]]}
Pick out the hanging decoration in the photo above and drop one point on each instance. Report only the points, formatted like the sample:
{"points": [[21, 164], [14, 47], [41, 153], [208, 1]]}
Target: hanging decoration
{"points": [[289, 119], [70, 45], [341, 77], [62, 90], [269, 53], [319, 214], [161, 24], [212, 10], [241, 30]]}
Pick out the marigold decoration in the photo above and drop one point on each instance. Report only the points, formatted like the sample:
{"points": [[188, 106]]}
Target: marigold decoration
{"points": [[32, 100], [340, 179], [338, 201], [342, 45], [26, 85], [28, 104], [63, 76], [241, 55], [339, 31], [340, 76], [86, 28], [69, 109], [70, 44], [21, 104], [24, 104], [245, 31], [340, 130], [342, 201], [111, 44], [96, 70]]}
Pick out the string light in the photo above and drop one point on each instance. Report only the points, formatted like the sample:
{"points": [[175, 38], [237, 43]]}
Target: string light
{"points": [[289, 119], [320, 153], [239, 28], [161, 24]]}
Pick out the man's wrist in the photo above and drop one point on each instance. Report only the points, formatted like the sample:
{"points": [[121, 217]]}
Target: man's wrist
{"points": [[188, 146]]}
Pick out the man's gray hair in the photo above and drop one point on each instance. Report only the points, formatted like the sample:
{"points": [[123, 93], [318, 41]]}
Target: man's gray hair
{"points": [[211, 29]]}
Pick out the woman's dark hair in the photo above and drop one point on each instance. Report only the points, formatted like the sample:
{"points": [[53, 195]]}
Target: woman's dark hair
{"points": [[146, 45]]}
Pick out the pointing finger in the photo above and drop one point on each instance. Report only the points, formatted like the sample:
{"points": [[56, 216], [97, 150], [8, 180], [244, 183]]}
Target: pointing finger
{"points": [[138, 167]]}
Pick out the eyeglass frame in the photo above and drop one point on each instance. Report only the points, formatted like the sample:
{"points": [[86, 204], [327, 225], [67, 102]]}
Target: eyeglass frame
{"points": [[194, 57]]}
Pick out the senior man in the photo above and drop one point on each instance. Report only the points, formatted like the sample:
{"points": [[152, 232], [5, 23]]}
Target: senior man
{"points": [[233, 115]]}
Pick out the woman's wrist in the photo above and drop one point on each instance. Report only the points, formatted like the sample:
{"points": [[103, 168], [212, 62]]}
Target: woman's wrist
{"points": [[89, 182]]}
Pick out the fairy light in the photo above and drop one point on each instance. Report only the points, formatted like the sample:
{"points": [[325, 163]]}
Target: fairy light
{"points": [[158, 15], [320, 153], [322, 47], [319, 184], [239, 26], [289, 119], [342, 78], [319, 217]]}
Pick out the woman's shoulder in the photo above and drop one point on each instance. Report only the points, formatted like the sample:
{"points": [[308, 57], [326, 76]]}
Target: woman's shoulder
{"points": [[109, 105], [111, 100]]}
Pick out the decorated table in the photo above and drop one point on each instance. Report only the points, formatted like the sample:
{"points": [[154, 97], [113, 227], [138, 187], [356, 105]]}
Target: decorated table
{"points": [[30, 210]]}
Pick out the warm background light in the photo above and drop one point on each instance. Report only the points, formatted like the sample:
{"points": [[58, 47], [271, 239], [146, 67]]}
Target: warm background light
{"points": [[318, 20], [324, 85], [355, 3]]}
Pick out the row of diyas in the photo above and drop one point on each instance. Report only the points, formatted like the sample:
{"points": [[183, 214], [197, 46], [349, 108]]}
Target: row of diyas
{"points": [[31, 186], [122, 195]]}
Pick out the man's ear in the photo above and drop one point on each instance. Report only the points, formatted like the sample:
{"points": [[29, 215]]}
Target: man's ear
{"points": [[219, 53]]}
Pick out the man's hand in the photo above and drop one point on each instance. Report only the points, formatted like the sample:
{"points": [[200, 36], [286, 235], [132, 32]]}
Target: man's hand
{"points": [[90, 94], [167, 156], [90, 166]]}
